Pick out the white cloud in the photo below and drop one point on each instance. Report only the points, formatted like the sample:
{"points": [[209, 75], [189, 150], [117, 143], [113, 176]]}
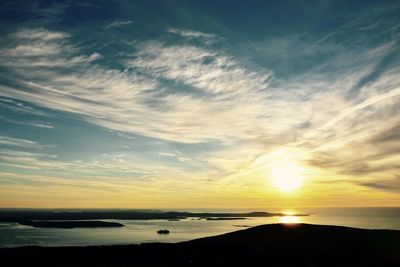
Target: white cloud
{"points": [[119, 24], [42, 125], [213, 96], [369, 102], [42, 48], [204, 69], [28, 160], [38, 49], [173, 155], [192, 34], [166, 154], [122, 100], [19, 107], [10, 141], [40, 34]]}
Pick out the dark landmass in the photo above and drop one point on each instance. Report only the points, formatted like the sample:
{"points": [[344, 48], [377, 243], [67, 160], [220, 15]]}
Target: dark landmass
{"points": [[224, 218], [270, 245], [163, 232], [48, 215], [241, 225], [70, 224]]}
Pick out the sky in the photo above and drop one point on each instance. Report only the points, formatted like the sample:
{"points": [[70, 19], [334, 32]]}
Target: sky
{"points": [[199, 104]]}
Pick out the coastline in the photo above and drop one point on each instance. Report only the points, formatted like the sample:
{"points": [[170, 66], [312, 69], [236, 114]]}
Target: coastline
{"points": [[70, 224], [50, 215]]}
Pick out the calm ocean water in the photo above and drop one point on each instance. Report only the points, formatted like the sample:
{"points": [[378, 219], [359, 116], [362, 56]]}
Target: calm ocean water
{"points": [[140, 231]]}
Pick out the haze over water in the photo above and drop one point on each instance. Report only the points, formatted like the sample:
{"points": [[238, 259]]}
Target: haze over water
{"points": [[140, 231]]}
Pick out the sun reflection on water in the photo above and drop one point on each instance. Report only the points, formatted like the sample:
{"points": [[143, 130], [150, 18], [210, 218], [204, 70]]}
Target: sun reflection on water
{"points": [[289, 217]]}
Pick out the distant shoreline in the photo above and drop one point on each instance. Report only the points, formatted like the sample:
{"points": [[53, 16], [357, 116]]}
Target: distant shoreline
{"points": [[225, 218], [30, 215], [70, 224]]}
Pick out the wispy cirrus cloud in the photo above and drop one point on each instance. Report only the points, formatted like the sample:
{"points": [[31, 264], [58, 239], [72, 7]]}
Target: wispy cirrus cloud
{"points": [[193, 94], [40, 34], [42, 48], [122, 100], [386, 185], [204, 69], [29, 160], [119, 24], [10, 141], [28, 123], [193, 34], [35, 43], [119, 167], [43, 125], [19, 107], [176, 155]]}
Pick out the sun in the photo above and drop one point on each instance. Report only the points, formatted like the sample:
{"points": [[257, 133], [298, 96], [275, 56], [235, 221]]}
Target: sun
{"points": [[286, 176]]}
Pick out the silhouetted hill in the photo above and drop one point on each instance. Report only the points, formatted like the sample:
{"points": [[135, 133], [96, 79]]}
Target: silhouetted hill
{"points": [[268, 245]]}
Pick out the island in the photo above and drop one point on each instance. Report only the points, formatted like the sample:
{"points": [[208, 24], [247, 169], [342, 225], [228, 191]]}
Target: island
{"points": [[224, 218], [70, 224]]}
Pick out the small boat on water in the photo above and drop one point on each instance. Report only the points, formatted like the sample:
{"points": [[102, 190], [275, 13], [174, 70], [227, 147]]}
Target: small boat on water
{"points": [[163, 232]]}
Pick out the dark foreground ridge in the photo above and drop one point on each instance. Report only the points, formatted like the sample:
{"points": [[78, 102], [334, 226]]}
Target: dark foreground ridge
{"points": [[269, 245], [70, 224]]}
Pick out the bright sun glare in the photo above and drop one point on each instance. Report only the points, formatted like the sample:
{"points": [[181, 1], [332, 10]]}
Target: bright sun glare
{"points": [[289, 219], [286, 176]]}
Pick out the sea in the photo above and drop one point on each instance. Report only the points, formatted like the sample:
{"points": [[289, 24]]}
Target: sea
{"points": [[145, 231]]}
